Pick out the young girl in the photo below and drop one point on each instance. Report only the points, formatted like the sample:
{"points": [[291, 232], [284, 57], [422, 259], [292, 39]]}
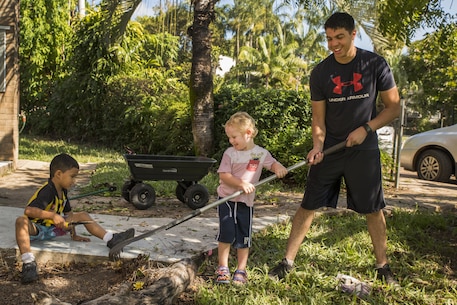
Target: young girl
{"points": [[241, 167]]}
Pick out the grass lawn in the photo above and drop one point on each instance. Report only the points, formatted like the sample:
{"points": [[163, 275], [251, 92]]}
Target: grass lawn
{"points": [[422, 248]]}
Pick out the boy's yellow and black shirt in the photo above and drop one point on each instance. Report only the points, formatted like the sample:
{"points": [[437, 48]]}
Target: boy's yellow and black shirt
{"points": [[46, 198]]}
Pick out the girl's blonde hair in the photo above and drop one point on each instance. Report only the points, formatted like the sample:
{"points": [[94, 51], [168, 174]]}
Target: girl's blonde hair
{"points": [[243, 122]]}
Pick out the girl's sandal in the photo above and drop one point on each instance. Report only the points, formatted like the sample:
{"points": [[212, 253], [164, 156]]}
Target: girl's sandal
{"points": [[240, 277], [222, 275]]}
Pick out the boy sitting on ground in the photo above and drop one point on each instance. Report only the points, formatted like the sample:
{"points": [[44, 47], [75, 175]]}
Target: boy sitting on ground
{"points": [[48, 214]]}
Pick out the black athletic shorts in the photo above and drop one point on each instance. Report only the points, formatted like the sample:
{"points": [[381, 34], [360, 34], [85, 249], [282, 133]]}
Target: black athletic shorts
{"points": [[235, 224], [361, 170]]}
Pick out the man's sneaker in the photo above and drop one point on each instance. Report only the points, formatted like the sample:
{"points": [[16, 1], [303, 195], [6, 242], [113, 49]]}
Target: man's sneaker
{"points": [[118, 237], [281, 270], [386, 275], [222, 275], [29, 273]]}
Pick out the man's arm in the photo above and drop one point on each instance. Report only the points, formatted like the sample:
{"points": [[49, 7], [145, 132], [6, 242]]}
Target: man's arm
{"points": [[318, 132], [392, 108], [391, 101]]}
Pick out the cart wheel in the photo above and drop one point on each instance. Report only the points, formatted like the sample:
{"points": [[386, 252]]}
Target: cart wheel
{"points": [[181, 189], [126, 188], [142, 196], [196, 196]]}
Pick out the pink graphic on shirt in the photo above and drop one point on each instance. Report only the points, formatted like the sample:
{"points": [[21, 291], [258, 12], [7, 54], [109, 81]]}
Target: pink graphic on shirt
{"points": [[253, 165]]}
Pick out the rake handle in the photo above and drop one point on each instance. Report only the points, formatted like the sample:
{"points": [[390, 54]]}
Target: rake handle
{"points": [[197, 212], [114, 252], [108, 189]]}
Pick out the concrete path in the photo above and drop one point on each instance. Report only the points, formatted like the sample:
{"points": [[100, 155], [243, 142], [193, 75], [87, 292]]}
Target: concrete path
{"points": [[183, 241]]}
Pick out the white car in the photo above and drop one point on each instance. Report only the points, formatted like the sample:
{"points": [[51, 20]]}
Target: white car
{"points": [[432, 154]]}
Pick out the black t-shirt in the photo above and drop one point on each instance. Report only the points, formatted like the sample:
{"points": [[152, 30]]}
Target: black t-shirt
{"points": [[350, 92]]}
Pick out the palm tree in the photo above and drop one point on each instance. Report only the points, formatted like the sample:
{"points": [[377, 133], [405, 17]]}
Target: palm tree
{"points": [[274, 61], [240, 19], [201, 78]]}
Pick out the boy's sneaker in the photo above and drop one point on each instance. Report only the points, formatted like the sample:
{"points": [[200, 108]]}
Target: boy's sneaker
{"points": [[281, 270], [386, 275], [29, 273], [222, 275], [118, 237]]}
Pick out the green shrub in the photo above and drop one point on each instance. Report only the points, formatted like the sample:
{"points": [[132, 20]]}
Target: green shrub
{"points": [[148, 112], [147, 117]]}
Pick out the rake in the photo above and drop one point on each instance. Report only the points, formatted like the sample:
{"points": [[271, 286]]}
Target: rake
{"points": [[114, 253]]}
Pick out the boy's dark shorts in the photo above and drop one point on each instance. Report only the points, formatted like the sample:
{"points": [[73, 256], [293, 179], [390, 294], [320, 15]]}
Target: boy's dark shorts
{"points": [[235, 224], [361, 170]]}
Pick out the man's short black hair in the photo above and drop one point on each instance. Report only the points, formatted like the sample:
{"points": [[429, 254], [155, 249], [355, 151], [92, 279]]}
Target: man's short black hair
{"points": [[62, 162], [340, 20]]}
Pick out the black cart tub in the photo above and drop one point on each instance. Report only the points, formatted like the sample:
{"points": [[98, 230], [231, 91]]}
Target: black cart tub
{"points": [[185, 170]]}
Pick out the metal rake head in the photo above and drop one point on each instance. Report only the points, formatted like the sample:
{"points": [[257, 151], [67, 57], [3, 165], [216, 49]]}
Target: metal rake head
{"points": [[115, 253]]}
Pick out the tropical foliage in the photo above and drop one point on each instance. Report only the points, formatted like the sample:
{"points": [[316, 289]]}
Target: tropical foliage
{"points": [[432, 73], [119, 82], [45, 28]]}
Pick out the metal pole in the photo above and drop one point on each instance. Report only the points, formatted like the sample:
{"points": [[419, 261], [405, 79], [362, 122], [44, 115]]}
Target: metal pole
{"points": [[399, 142], [82, 8]]}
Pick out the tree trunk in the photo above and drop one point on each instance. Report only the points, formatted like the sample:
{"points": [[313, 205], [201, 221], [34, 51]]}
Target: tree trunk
{"points": [[201, 78]]}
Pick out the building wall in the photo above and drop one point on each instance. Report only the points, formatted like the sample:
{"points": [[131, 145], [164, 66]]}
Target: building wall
{"points": [[9, 97]]}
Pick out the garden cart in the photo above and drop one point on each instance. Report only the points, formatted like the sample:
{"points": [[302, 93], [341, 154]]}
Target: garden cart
{"points": [[185, 170]]}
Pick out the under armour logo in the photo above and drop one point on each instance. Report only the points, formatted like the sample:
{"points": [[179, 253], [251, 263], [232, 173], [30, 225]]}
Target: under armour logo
{"points": [[356, 77]]}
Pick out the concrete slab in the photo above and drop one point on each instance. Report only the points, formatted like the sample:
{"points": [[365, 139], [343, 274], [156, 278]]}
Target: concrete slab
{"points": [[186, 240]]}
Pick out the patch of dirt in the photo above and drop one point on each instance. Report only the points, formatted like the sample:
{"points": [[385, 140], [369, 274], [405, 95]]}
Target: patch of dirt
{"points": [[75, 283]]}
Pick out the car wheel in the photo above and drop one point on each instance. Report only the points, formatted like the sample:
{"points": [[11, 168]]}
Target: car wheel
{"points": [[434, 165]]}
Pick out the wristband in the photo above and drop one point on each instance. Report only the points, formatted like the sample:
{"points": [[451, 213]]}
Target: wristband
{"points": [[367, 128]]}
